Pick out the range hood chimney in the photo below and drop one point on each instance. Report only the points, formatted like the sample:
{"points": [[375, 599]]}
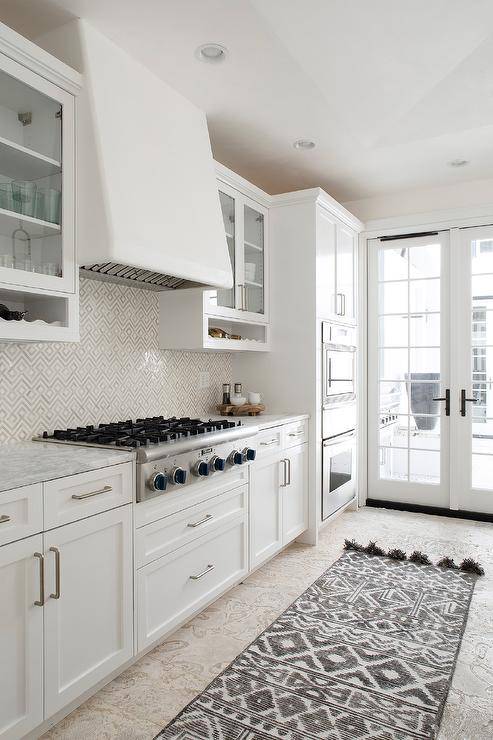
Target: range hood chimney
{"points": [[148, 206]]}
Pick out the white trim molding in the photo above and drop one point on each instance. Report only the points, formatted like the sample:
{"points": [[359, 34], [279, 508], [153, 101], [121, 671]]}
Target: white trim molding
{"points": [[25, 52]]}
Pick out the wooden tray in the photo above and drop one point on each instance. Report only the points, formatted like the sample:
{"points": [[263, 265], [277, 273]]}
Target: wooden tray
{"points": [[250, 409]]}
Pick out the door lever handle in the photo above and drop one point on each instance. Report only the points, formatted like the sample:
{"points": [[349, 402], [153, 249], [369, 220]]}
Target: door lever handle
{"points": [[464, 400], [445, 398]]}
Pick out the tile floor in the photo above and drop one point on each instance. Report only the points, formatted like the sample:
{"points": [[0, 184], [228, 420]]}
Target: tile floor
{"points": [[142, 700]]}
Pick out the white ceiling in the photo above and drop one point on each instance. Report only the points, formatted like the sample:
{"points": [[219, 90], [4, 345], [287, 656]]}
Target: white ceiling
{"points": [[390, 90]]}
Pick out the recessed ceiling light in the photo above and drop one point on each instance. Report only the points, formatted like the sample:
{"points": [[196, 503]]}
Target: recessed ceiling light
{"points": [[211, 53], [458, 162], [304, 144]]}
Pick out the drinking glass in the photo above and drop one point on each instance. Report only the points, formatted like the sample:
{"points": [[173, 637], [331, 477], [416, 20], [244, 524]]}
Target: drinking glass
{"points": [[24, 197], [52, 200]]}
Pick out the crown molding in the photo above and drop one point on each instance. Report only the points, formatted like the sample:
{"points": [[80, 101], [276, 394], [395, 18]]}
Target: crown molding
{"points": [[227, 176], [322, 199], [25, 52]]}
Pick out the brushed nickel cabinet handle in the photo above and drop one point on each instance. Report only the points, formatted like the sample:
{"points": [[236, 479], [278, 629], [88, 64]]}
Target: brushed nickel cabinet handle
{"points": [[242, 295], [81, 496], [207, 518], [198, 576], [56, 595], [284, 473], [299, 433], [41, 559], [270, 442], [4, 519], [289, 471]]}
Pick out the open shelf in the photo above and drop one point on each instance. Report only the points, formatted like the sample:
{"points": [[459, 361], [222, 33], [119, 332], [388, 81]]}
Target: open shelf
{"points": [[254, 337], [20, 163], [10, 220], [253, 284], [254, 246], [49, 317]]}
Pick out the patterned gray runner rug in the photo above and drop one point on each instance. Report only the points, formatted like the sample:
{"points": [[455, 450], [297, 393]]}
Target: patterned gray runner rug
{"points": [[367, 651]]}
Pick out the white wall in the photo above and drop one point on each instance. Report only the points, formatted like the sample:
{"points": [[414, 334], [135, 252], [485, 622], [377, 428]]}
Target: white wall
{"points": [[459, 195]]}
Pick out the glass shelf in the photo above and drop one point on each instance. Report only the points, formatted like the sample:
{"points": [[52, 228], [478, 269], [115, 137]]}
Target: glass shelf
{"points": [[20, 163]]}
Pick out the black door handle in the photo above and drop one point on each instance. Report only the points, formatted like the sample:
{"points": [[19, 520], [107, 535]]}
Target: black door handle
{"points": [[463, 401], [445, 398]]}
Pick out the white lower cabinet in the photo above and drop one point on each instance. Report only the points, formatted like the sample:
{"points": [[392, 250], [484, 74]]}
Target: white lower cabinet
{"points": [[266, 476], [21, 638], [295, 494], [172, 588], [278, 502], [88, 615]]}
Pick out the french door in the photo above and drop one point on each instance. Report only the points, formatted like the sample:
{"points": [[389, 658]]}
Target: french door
{"points": [[430, 369]]}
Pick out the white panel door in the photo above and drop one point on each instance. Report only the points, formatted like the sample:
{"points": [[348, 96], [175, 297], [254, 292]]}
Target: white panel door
{"points": [[408, 370], [88, 613], [21, 637], [295, 494], [346, 272], [266, 477], [326, 264], [472, 345]]}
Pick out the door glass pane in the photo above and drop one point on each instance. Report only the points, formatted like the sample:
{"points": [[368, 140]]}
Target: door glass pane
{"points": [[409, 338], [482, 364], [227, 297], [30, 180], [254, 260], [393, 463], [424, 467]]}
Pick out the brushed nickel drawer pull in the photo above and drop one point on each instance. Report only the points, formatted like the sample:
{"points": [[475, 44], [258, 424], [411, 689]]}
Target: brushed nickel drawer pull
{"points": [[284, 473], [270, 442], [299, 433], [197, 577], [4, 519], [56, 595], [81, 496], [289, 471], [41, 559], [207, 518]]}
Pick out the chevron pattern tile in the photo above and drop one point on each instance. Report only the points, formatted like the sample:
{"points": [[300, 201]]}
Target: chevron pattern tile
{"points": [[116, 371]]}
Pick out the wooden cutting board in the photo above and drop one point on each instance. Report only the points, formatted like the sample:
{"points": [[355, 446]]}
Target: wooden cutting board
{"points": [[248, 409]]}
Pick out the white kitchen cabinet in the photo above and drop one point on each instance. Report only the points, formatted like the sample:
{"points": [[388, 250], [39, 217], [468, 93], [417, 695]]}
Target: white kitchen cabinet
{"points": [[235, 319], [335, 267], [266, 477], [37, 194], [278, 500], [245, 224], [294, 493], [88, 613], [21, 638], [173, 588]]}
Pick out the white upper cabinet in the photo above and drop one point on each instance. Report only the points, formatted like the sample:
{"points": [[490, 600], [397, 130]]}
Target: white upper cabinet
{"points": [[38, 278], [245, 226], [36, 180], [336, 268]]}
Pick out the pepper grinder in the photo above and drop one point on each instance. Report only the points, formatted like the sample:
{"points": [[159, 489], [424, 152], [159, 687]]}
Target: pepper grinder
{"points": [[226, 393]]}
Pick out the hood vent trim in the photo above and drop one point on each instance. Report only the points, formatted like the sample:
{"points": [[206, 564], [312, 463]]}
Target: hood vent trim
{"points": [[136, 276]]}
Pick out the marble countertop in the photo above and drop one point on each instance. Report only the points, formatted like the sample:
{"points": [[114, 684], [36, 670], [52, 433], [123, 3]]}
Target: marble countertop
{"points": [[266, 421], [23, 463]]}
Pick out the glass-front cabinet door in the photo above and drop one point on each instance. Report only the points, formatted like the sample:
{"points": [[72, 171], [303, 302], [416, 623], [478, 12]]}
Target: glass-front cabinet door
{"points": [[253, 261], [36, 181], [245, 229]]}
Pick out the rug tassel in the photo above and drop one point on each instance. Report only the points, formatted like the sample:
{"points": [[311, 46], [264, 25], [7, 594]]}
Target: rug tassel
{"points": [[468, 565], [447, 562]]}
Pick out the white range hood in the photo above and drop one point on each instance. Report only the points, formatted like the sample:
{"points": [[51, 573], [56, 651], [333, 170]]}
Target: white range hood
{"points": [[147, 192]]}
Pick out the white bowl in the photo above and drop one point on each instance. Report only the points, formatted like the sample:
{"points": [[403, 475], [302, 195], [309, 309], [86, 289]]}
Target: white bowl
{"points": [[238, 400]]}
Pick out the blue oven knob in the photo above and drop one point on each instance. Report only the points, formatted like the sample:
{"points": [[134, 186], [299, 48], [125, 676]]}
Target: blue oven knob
{"points": [[235, 458], [158, 482], [200, 468], [217, 463], [249, 454], [179, 476]]}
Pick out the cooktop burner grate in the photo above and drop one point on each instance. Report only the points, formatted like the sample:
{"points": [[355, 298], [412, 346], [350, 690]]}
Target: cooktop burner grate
{"points": [[141, 432]]}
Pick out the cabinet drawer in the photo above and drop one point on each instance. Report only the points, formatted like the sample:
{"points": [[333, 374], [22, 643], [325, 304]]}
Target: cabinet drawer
{"points": [[78, 496], [295, 433], [171, 589], [168, 534], [21, 513], [268, 441]]}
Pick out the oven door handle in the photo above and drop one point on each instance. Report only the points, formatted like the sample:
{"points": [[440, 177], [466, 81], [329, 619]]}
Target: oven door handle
{"points": [[340, 439]]}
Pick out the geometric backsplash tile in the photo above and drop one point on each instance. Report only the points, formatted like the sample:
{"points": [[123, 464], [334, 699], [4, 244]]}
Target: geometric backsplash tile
{"points": [[115, 372]]}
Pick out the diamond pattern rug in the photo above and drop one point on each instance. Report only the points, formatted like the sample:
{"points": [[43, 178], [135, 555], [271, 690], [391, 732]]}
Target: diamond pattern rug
{"points": [[367, 651]]}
